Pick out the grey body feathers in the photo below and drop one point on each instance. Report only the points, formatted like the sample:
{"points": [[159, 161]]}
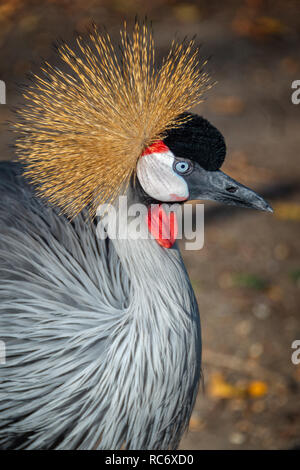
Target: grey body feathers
{"points": [[102, 337]]}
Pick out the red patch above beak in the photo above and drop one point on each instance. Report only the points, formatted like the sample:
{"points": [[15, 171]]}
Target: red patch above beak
{"points": [[162, 225]]}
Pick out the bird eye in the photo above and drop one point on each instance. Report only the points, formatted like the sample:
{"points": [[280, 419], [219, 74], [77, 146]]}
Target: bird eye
{"points": [[182, 167]]}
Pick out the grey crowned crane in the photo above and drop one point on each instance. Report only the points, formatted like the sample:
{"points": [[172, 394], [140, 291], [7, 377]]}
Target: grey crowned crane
{"points": [[102, 336]]}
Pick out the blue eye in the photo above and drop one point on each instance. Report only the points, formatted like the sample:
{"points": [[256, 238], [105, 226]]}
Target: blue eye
{"points": [[182, 167]]}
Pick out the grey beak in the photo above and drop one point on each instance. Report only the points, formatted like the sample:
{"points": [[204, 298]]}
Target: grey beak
{"points": [[217, 186]]}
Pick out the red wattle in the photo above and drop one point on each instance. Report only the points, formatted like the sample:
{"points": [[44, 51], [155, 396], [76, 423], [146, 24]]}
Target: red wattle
{"points": [[162, 225]]}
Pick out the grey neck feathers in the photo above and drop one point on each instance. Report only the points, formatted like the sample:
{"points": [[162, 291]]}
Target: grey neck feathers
{"points": [[157, 275]]}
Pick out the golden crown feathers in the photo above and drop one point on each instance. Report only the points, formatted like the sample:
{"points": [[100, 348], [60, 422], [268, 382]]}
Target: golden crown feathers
{"points": [[81, 132]]}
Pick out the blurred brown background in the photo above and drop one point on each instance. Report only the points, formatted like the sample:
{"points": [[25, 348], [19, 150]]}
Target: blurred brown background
{"points": [[247, 276]]}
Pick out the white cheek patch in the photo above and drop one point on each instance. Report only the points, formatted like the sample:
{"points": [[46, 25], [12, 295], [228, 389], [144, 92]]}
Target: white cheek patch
{"points": [[157, 177]]}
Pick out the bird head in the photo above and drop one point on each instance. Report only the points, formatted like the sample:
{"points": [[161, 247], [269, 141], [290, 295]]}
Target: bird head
{"points": [[186, 164], [89, 128]]}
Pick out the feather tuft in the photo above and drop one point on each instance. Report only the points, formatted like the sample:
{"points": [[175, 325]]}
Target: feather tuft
{"points": [[81, 132]]}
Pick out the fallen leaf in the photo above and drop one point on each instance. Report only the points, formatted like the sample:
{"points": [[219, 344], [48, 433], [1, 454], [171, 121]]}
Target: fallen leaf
{"points": [[220, 388], [257, 389]]}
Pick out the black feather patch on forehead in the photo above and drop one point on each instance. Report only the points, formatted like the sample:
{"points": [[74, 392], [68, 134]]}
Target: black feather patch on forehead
{"points": [[198, 140]]}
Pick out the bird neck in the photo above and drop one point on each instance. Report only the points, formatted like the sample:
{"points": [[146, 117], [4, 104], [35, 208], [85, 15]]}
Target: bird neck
{"points": [[153, 271], [149, 265]]}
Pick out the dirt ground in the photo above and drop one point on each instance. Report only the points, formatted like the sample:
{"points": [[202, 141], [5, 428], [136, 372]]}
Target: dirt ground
{"points": [[247, 276]]}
